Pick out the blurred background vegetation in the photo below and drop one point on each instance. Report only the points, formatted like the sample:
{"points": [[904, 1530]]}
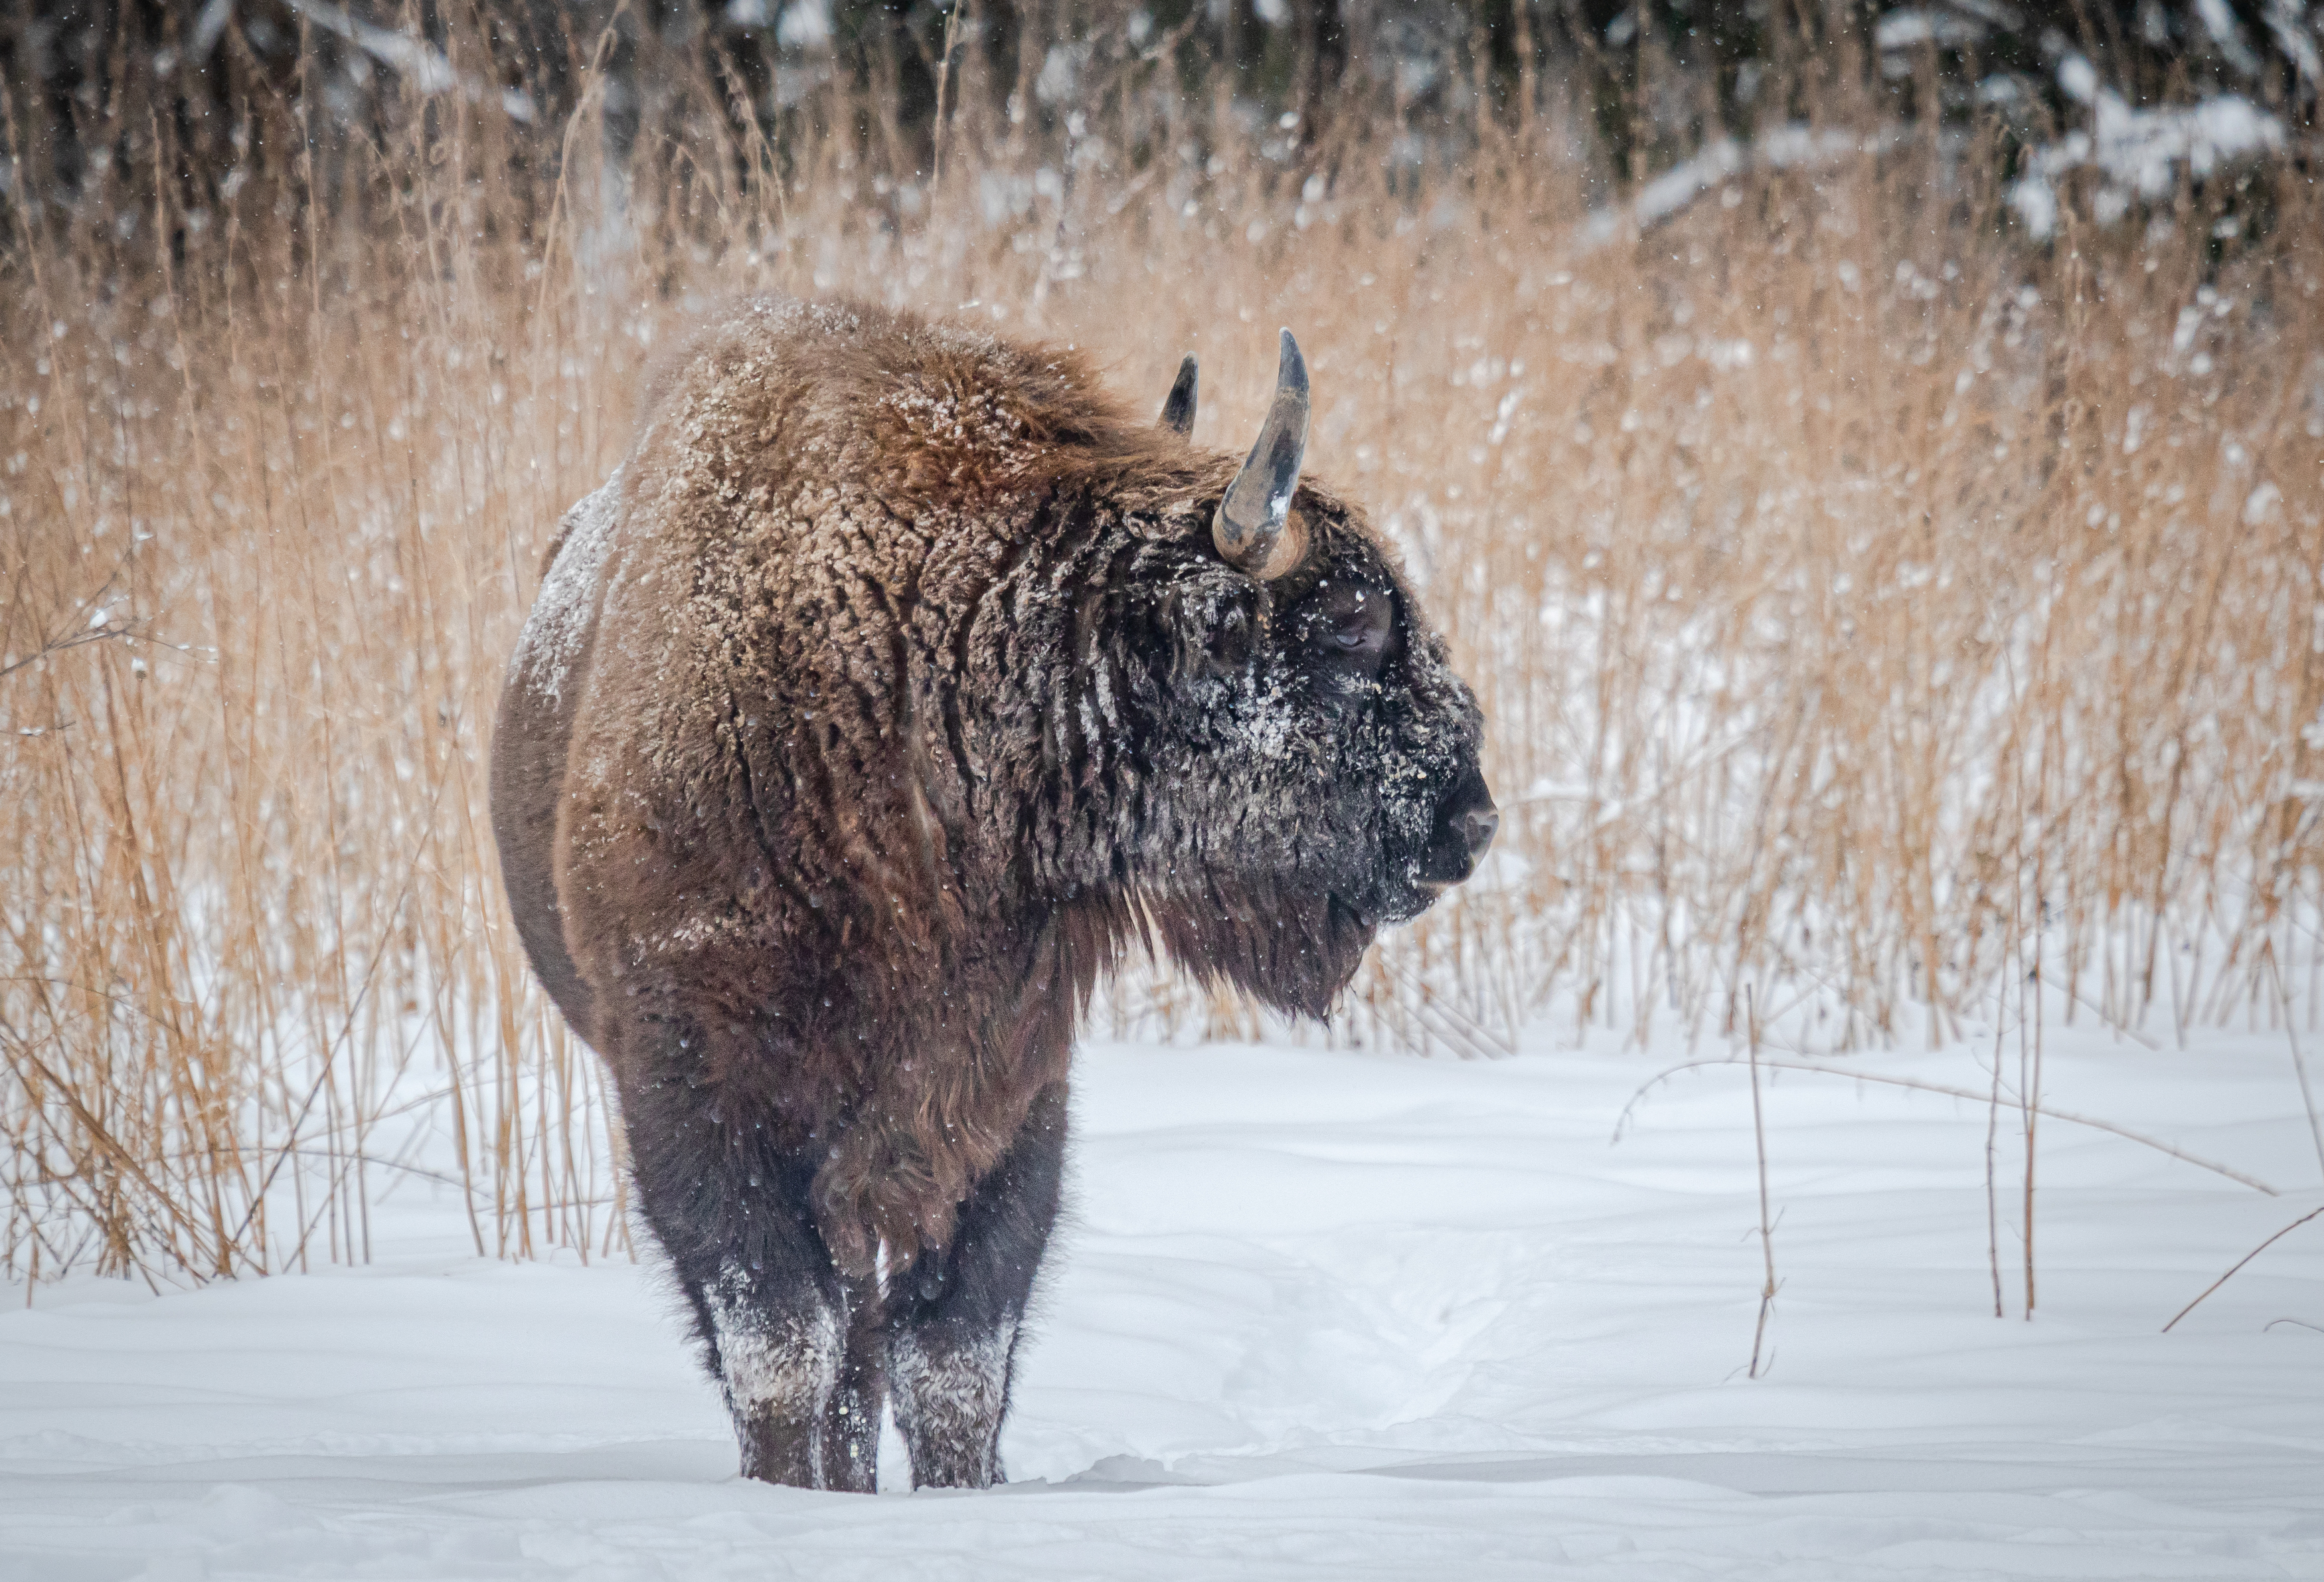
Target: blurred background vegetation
{"points": [[1865, 457], [178, 95]]}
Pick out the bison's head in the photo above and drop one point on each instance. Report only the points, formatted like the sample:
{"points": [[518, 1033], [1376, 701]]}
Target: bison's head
{"points": [[1311, 759]]}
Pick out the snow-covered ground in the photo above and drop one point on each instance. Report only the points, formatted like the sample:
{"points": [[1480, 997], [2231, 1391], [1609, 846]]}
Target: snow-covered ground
{"points": [[1332, 1315]]}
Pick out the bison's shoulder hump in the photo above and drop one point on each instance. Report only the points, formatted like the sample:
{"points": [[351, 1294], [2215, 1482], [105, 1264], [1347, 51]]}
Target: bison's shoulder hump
{"points": [[845, 369]]}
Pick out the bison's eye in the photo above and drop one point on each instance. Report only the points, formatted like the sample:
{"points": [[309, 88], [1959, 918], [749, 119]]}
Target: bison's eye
{"points": [[1353, 626]]}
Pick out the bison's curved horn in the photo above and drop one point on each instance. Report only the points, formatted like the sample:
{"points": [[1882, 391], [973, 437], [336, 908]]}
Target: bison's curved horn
{"points": [[1178, 411], [1254, 529]]}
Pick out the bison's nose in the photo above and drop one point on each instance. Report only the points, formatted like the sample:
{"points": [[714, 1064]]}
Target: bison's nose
{"points": [[1480, 826], [1466, 821]]}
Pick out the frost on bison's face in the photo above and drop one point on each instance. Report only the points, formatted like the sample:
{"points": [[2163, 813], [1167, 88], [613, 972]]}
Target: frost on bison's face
{"points": [[1314, 766], [897, 683]]}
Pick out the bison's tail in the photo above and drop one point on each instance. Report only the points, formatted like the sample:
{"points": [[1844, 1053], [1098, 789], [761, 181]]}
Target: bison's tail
{"points": [[877, 1188]]}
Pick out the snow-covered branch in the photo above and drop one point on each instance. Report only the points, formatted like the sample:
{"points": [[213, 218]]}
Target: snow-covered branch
{"points": [[420, 64], [2139, 152]]}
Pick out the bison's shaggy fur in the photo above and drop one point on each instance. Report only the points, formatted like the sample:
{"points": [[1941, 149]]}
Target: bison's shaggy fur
{"points": [[889, 689]]}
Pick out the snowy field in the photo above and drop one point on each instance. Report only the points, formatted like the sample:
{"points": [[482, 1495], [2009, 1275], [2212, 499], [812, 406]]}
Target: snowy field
{"points": [[1324, 1315]]}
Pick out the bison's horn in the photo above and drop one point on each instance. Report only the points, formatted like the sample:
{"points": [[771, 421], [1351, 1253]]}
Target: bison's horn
{"points": [[1254, 528], [1178, 411]]}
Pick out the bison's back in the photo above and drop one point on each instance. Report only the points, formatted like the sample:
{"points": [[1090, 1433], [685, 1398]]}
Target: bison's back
{"points": [[532, 738], [828, 518]]}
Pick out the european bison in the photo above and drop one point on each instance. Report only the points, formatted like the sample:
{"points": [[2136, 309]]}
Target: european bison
{"points": [[896, 682]]}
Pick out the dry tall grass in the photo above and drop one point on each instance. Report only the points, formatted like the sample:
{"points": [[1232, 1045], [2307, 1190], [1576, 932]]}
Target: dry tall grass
{"points": [[1866, 609]]}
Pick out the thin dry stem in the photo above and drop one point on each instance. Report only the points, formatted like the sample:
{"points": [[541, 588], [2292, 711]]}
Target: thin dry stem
{"points": [[2238, 1264], [2069, 1117], [1766, 1224]]}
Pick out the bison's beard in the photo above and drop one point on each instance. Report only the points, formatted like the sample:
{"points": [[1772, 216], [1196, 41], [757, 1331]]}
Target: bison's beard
{"points": [[1294, 948]]}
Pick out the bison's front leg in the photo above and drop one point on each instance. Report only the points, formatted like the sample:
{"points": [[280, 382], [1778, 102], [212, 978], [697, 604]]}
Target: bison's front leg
{"points": [[957, 1313]]}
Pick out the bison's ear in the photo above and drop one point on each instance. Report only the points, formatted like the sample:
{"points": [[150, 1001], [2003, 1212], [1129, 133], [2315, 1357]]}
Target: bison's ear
{"points": [[1178, 411]]}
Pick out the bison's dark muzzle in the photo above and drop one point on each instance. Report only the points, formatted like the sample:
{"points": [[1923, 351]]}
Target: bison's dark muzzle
{"points": [[1466, 823]]}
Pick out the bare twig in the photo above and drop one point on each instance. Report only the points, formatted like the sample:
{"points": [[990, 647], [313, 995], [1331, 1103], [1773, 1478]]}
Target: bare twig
{"points": [[55, 645], [943, 83], [2029, 1098], [1767, 1227], [1455, 1026], [1992, 1183], [2254, 1182], [2239, 1263]]}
